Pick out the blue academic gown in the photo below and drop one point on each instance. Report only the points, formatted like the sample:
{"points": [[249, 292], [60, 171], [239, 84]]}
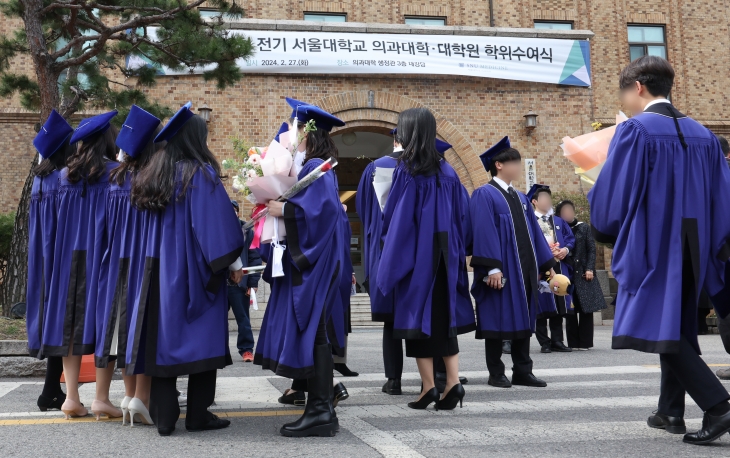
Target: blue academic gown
{"points": [[338, 325], [183, 299], [313, 267], [507, 313], [42, 220], [81, 242], [656, 200], [424, 224], [122, 272], [371, 217], [548, 305]]}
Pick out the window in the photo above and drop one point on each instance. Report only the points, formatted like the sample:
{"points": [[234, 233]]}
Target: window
{"points": [[646, 40], [554, 25], [325, 17], [214, 13], [425, 20]]}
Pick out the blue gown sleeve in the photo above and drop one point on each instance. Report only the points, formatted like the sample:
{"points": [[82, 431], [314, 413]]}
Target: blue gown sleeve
{"points": [[568, 237], [466, 221], [486, 242], [363, 202], [399, 250], [621, 184]]}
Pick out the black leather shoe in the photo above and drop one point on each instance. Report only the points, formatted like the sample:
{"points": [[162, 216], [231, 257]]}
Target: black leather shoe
{"points": [[528, 380], [545, 348], [213, 423], [712, 428], [44, 402], [340, 394], [560, 347], [392, 387], [499, 381], [293, 398], [165, 431], [442, 376], [507, 347], [674, 425], [431, 396], [345, 371]]}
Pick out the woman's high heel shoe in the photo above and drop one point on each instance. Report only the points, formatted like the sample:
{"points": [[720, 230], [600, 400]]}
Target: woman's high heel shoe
{"points": [[125, 409], [72, 409], [453, 397], [139, 411], [340, 394], [431, 396], [99, 408]]}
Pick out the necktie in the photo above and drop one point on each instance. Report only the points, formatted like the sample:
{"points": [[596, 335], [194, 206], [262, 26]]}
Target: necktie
{"points": [[545, 218], [512, 192]]}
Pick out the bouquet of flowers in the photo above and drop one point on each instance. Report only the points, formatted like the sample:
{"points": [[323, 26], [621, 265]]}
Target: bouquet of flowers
{"points": [[589, 151], [246, 165]]}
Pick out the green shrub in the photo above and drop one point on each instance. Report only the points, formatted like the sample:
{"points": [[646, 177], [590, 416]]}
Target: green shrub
{"points": [[7, 221]]}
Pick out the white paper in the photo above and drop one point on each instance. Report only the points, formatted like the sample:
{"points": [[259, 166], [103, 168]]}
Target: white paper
{"points": [[253, 303], [382, 181], [277, 268], [544, 287]]}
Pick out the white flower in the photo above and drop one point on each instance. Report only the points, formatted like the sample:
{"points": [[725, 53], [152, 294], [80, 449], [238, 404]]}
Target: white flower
{"points": [[254, 159], [225, 163], [238, 184], [251, 174]]}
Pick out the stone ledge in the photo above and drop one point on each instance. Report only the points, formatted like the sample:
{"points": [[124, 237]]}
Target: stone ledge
{"points": [[13, 348], [22, 366]]}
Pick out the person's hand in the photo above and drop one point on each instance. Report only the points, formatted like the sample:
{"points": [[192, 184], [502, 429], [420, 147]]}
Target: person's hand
{"points": [[555, 250], [562, 253], [354, 280], [344, 207], [549, 275], [237, 276], [275, 208], [589, 275], [495, 281]]}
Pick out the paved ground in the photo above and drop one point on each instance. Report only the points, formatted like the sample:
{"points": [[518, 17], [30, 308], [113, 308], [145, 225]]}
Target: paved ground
{"points": [[596, 404]]}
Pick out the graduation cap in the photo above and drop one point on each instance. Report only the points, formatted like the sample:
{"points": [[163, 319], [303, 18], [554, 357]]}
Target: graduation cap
{"points": [[137, 131], [53, 135], [441, 146], [533, 190], [489, 154], [304, 112], [172, 127], [282, 130], [91, 126]]}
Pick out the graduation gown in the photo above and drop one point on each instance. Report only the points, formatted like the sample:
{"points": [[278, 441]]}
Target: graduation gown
{"points": [[662, 204], [121, 274], [42, 220], [180, 322], [338, 325], [424, 225], [507, 313], [548, 303], [313, 267], [371, 217], [80, 245]]}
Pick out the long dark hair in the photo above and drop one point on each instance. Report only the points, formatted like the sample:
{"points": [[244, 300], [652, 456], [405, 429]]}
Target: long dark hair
{"points": [[417, 134], [155, 184], [89, 160], [320, 146], [57, 161], [135, 164]]}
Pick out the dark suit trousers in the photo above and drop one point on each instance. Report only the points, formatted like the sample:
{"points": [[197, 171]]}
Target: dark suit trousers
{"points": [[521, 362], [556, 330]]}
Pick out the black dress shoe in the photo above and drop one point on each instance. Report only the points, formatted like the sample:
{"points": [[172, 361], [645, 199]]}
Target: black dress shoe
{"points": [[712, 428], [442, 376], [165, 431], [426, 400], [560, 347], [44, 402], [674, 425], [345, 371], [528, 380], [507, 347], [392, 387], [293, 398], [545, 348], [499, 381], [213, 423], [340, 394]]}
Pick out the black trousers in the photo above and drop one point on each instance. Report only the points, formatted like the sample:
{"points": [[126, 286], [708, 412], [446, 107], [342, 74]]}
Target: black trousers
{"points": [[723, 325], [579, 329], [521, 361], [164, 407], [392, 353], [320, 338], [556, 330]]}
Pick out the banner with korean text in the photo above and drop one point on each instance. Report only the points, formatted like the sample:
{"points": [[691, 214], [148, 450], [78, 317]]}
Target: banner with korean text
{"points": [[523, 59]]}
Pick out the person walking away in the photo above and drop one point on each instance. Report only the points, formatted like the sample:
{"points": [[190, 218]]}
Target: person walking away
{"points": [[239, 294], [658, 200], [587, 294], [510, 255]]}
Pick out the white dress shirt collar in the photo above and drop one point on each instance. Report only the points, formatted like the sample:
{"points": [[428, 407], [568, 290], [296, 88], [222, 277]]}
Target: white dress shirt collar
{"points": [[654, 102], [502, 183]]}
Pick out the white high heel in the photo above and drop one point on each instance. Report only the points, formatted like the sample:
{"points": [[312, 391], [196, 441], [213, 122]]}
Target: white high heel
{"points": [[125, 409], [136, 407]]}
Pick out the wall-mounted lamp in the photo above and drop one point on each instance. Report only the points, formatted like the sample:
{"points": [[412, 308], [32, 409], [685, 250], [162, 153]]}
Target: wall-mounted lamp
{"points": [[530, 120], [349, 138], [205, 112]]}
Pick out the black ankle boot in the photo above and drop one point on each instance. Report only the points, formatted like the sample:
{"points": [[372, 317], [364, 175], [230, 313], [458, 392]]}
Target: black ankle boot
{"points": [[46, 402], [319, 417]]}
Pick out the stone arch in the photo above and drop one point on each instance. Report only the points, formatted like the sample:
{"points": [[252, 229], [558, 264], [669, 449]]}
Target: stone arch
{"points": [[378, 112]]}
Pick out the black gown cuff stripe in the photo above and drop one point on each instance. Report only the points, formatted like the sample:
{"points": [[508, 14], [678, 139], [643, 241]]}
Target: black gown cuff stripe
{"points": [[292, 237], [548, 265], [600, 237], [214, 283], [724, 254], [226, 260], [489, 263]]}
